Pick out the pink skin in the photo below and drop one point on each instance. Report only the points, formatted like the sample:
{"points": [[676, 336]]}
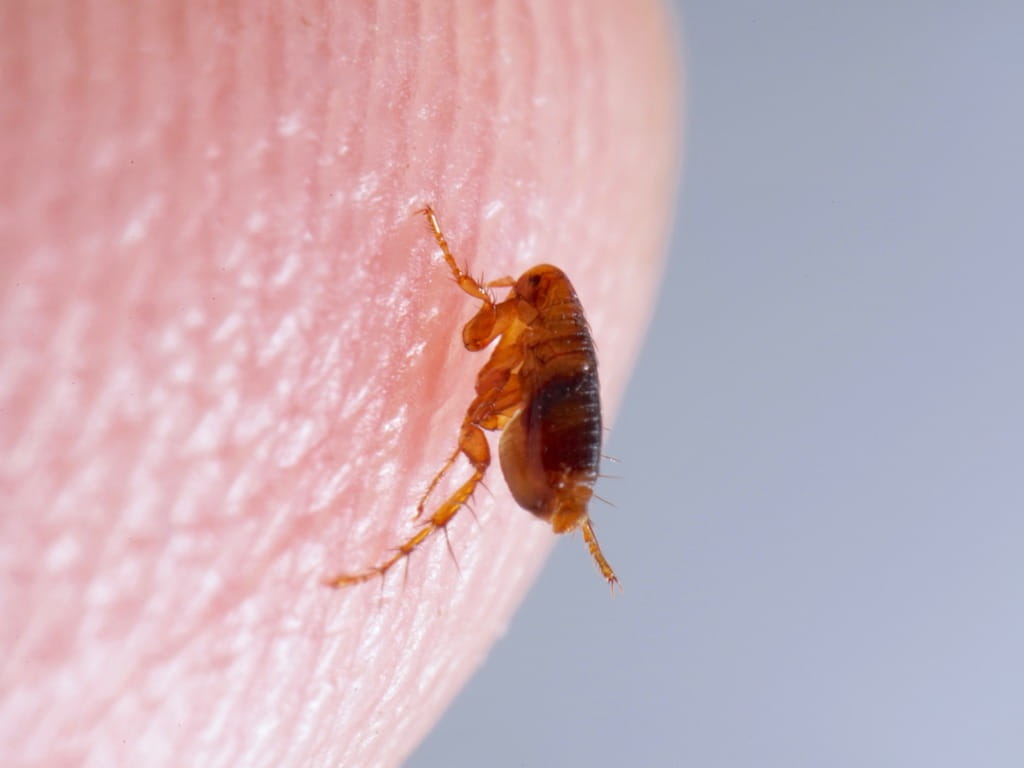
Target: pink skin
{"points": [[231, 357]]}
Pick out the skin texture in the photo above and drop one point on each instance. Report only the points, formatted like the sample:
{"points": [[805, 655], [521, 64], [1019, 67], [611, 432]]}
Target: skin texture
{"points": [[231, 356]]}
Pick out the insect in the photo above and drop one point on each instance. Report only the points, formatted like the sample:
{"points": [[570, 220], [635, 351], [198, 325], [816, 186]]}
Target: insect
{"points": [[539, 388]]}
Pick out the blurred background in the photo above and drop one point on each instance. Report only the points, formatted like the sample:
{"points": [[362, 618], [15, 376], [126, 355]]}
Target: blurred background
{"points": [[820, 521]]}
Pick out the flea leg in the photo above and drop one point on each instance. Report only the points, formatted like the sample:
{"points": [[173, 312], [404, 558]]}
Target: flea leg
{"points": [[463, 278], [472, 444], [467, 428], [498, 397], [595, 552], [493, 318], [487, 410]]}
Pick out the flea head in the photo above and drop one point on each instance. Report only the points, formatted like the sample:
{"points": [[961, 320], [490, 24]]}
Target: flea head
{"points": [[542, 285]]}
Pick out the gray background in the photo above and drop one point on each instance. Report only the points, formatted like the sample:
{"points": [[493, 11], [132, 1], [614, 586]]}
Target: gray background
{"points": [[820, 525]]}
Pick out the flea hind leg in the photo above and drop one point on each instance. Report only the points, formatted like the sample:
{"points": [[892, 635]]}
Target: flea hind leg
{"points": [[490, 408], [498, 397], [473, 445], [595, 551]]}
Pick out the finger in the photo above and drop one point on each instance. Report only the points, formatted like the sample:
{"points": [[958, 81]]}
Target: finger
{"points": [[232, 357]]}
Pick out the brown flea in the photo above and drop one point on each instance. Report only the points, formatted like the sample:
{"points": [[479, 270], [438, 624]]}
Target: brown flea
{"points": [[540, 389]]}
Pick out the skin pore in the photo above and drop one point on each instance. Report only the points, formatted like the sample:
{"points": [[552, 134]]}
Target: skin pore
{"points": [[232, 359]]}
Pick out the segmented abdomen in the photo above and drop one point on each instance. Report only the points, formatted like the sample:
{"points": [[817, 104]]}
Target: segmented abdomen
{"points": [[563, 411]]}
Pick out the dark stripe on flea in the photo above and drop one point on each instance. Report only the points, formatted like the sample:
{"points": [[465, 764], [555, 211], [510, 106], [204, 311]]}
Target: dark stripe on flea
{"points": [[566, 413]]}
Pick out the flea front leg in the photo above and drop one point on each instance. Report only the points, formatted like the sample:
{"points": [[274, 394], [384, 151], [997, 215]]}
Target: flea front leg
{"points": [[463, 278]]}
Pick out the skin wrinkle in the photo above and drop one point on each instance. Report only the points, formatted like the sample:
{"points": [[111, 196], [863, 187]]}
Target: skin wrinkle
{"points": [[211, 403]]}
